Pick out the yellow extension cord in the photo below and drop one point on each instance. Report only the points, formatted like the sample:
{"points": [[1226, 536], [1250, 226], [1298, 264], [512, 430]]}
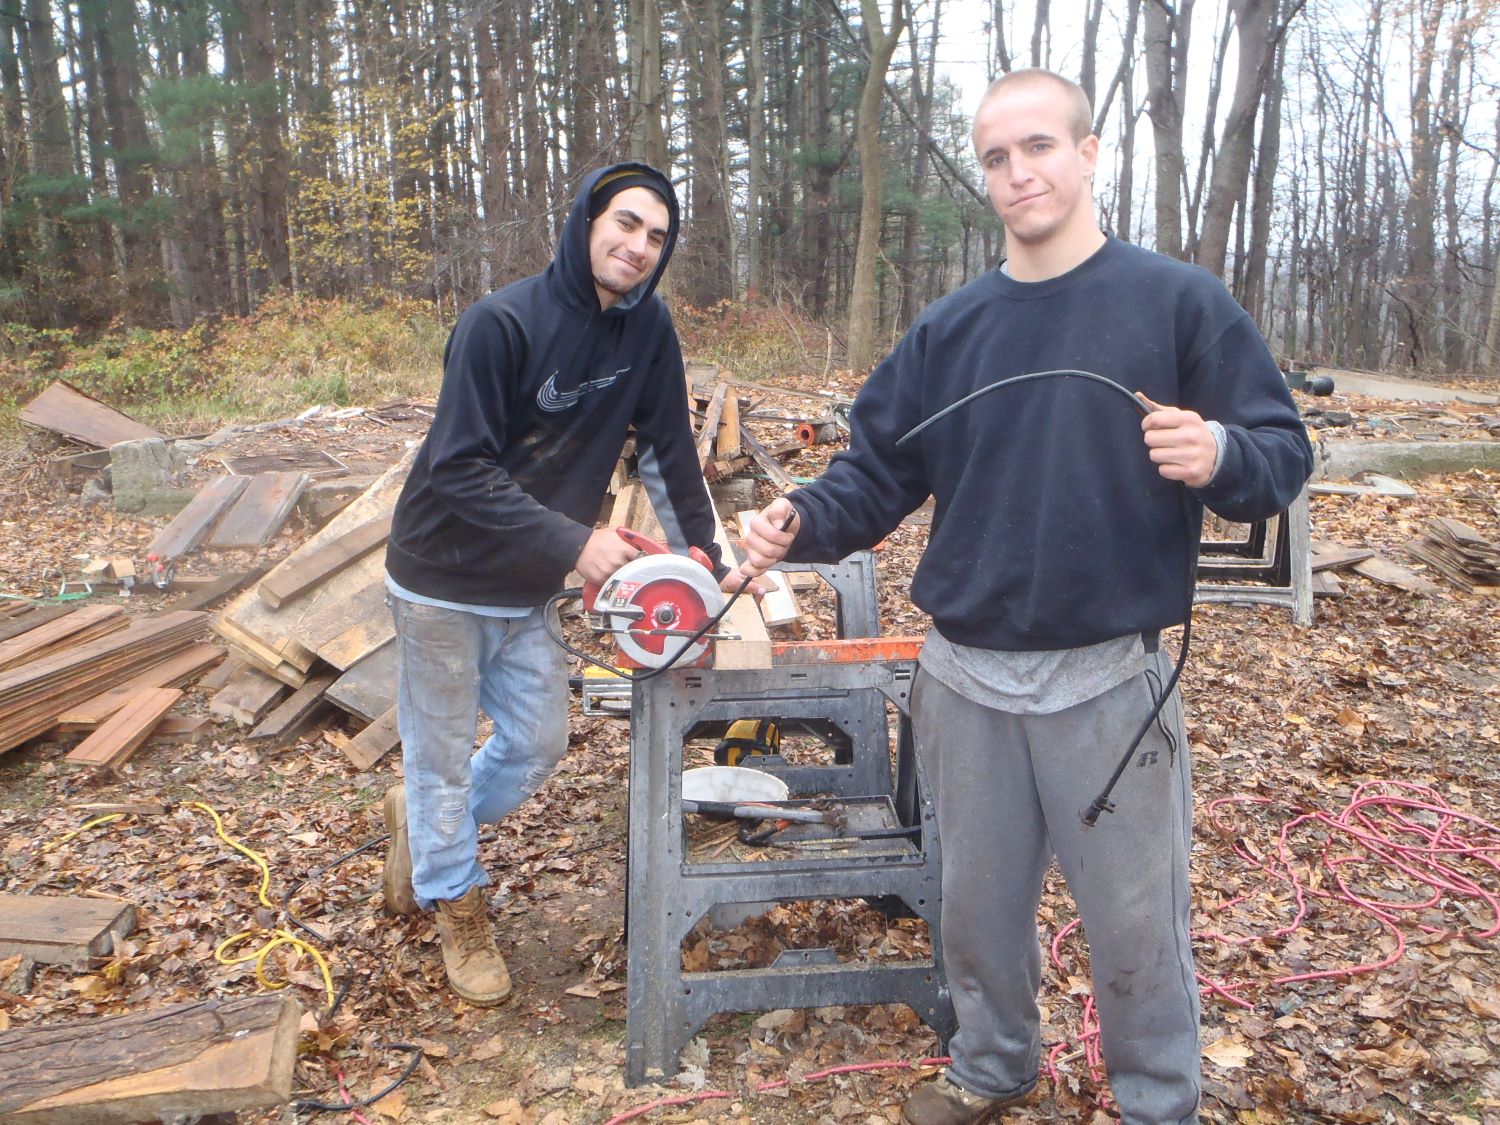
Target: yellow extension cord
{"points": [[279, 937]]}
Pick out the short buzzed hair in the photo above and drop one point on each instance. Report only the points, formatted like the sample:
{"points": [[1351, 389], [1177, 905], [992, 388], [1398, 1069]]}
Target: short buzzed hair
{"points": [[1080, 112]]}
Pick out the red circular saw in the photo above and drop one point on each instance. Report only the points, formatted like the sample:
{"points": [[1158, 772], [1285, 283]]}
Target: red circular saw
{"points": [[655, 603]]}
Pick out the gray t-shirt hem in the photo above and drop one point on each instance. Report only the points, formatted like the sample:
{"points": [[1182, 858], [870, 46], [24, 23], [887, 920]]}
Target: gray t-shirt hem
{"points": [[1033, 683]]}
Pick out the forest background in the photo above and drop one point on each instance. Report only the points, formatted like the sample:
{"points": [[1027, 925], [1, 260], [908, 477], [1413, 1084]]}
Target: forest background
{"points": [[199, 195]]}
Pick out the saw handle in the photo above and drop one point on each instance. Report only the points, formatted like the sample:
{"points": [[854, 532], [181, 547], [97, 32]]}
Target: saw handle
{"points": [[646, 546]]}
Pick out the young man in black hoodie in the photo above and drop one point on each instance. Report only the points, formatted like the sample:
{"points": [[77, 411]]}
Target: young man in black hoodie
{"points": [[541, 380], [1057, 553]]}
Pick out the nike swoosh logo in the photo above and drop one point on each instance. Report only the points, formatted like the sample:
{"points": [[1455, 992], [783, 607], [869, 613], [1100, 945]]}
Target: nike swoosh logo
{"points": [[553, 401]]}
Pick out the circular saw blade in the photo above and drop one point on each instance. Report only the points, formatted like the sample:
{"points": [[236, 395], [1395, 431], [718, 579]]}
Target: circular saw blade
{"points": [[671, 592]]}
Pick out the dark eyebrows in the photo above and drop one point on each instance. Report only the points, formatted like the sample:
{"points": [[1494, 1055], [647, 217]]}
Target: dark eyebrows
{"points": [[627, 213]]}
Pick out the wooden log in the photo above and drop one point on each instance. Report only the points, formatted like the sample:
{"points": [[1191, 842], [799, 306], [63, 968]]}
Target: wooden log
{"points": [[292, 581], [122, 733], [297, 709], [173, 672], [258, 514], [191, 525], [727, 443], [375, 741], [214, 1056], [62, 930], [247, 697]]}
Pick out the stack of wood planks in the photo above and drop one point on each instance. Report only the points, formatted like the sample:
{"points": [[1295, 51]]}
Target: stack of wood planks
{"points": [[1458, 552], [97, 668]]}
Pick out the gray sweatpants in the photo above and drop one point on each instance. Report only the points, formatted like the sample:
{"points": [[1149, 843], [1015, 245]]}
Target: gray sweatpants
{"points": [[1010, 792]]}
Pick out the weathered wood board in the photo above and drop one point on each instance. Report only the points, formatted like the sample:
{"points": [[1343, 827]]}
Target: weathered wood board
{"points": [[368, 689], [62, 930], [375, 741], [64, 409], [189, 1060], [173, 672], [297, 709], [76, 628], [259, 512], [122, 733], [291, 581], [247, 697], [190, 526]]}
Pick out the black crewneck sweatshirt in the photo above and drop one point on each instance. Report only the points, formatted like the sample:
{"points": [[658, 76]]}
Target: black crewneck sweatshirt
{"points": [[1052, 527]]}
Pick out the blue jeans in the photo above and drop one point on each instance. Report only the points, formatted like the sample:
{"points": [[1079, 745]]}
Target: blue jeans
{"points": [[452, 663]]}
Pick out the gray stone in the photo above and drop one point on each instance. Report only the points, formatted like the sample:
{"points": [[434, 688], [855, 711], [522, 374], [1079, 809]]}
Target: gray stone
{"points": [[1345, 459], [146, 477], [733, 494], [324, 499]]}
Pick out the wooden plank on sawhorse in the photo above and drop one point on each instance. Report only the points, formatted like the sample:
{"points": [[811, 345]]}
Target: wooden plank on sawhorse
{"points": [[260, 510], [185, 1061], [62, 930], [190, 526]]}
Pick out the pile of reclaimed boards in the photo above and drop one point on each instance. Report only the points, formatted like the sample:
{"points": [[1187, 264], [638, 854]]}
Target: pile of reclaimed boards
{"points": [[315, 630], [97, 670], [1458, 552]]}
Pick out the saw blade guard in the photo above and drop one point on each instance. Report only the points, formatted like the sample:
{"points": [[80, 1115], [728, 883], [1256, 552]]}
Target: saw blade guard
{"points": [[651, 605]]}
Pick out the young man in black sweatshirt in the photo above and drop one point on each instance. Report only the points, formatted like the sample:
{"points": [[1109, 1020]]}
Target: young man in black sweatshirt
{"points": [[1057, 553], [541, 381]]}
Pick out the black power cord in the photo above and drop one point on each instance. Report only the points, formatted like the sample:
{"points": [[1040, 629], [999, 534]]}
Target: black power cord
{"points": [[1192, 522]]}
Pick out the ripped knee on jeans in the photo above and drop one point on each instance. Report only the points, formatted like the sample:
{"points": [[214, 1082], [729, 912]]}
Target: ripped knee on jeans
{"points": [[451, 818]]}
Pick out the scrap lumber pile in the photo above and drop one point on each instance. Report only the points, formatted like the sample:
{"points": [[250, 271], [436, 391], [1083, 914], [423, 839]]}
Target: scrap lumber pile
{"points": [[97, 668], [1463, 556]]}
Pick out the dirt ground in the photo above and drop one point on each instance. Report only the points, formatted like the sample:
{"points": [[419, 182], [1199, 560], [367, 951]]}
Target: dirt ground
{"points": [[1394, 1014]]}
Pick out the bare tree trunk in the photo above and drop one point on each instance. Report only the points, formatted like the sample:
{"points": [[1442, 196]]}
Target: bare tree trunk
{"points": [[707, 257], [1253, 294], [1166, 45], [755, 188], [1255, 23], [863, 300], [269, 160]]}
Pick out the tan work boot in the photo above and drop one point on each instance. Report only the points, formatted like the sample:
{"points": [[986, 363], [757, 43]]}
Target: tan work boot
{"points": [[475, 968], [396, 878], [943, 1103]]}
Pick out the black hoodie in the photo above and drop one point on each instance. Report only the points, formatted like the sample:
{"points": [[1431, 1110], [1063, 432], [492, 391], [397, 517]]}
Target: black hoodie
{"points": [[539, 388]]}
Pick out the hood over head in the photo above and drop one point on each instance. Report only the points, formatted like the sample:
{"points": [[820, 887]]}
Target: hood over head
{"points": [[570, 275]]}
